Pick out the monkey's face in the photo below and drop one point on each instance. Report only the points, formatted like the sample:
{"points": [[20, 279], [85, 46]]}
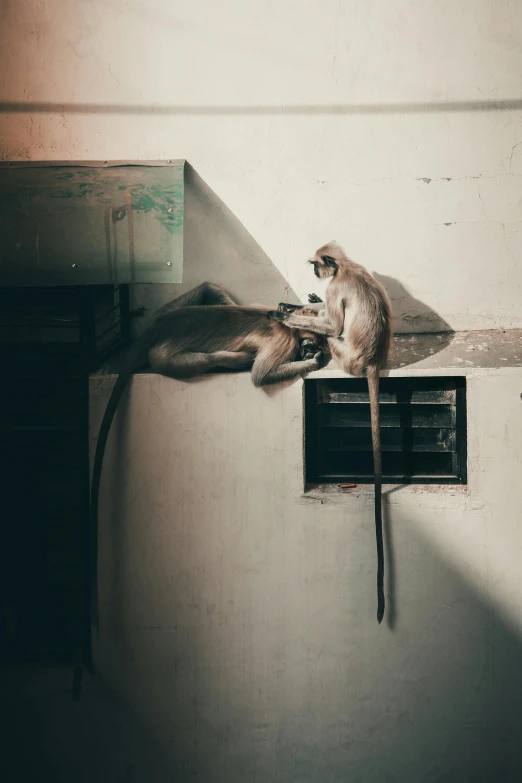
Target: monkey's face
{"points": [[325, 260], [310, 344]]}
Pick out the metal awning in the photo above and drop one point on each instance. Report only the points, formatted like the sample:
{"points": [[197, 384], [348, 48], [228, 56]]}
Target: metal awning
{"points": [[91, 222]]}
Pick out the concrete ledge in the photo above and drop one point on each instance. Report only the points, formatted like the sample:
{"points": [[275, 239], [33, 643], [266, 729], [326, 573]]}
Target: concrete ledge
{"points": [[440, 353]]}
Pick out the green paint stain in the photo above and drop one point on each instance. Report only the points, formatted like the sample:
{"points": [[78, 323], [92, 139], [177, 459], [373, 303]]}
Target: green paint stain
{"points": [[61, 194], [80, 195]]}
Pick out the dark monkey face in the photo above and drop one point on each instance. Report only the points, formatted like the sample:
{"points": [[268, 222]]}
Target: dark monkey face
{"points": [[325, 260], [311, 344]]}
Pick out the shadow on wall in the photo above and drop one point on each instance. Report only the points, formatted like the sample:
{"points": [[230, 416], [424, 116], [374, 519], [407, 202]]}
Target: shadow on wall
{"points": [[453, 710], [410, 315], [440, 700], [448, 708], [217, 248], [49, 738], [420, 332]]}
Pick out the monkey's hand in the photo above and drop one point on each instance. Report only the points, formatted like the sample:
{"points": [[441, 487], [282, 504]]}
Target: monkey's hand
{"points": [[277, 315], [284, 307], [314, 299], [307, 349], [318, 360]]}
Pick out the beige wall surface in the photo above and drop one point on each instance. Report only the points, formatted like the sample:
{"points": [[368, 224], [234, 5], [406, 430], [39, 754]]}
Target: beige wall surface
{"points": [[390, 125], [237, 613]]}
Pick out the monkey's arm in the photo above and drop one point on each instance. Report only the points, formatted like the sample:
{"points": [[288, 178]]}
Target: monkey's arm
{"points": [[286, 371], [313, 299], [312, 323], [284, 307], [166, 359]]}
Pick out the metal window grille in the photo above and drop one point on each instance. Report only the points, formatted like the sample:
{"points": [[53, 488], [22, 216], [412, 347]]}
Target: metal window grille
{"points": [[423, 431]]}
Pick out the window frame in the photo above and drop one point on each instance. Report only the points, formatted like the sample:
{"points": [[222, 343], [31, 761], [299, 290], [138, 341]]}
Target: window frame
{"points": [[315, 472]]}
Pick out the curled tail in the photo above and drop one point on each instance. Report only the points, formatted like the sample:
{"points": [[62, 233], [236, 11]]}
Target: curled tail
{"points": [[373, 388]]}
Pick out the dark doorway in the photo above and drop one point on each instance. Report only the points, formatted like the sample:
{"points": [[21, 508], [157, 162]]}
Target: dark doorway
{"points": [[50, 340]]}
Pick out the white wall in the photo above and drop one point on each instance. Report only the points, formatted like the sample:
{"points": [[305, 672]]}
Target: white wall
{"points": [[367, 121], [237, 615]]}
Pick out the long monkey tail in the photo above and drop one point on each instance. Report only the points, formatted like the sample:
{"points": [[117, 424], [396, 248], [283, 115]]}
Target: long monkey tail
{"points": [[103, 435], [135, 358], [372, 374]]}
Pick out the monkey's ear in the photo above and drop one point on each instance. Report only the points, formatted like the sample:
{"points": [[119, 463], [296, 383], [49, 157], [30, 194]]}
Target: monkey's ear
{"points": [[329, 261]]}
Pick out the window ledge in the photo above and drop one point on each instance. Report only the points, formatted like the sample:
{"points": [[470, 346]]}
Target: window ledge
{"points": [[440, 353], [448, 353], [414, 495]]}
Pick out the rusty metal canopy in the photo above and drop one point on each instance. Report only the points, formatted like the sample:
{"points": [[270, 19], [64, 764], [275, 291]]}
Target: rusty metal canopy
{"points": [[81, 223]]}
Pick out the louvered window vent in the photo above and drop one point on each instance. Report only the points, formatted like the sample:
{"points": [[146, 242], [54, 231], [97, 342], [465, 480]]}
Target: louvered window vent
{"points": [[423, 431]]}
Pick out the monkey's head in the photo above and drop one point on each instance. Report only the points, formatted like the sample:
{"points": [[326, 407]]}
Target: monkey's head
{"points": [[310, 344], [326, 260]]}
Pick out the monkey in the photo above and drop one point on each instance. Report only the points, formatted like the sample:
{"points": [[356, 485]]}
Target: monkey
{"points": [[205, 330], [269, 359], [357, 321]]}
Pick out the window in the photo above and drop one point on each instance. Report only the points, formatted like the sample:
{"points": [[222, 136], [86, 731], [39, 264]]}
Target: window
{"points": [[423, 431]]}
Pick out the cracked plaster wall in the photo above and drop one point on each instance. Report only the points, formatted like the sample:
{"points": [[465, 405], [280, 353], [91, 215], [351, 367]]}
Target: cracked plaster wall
{"points": [[394, 127]]}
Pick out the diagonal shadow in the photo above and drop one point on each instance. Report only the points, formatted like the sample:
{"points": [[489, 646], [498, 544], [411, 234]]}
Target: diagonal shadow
{"points": [[440, 700], [218, 248], [410, 315], [420, 332]]}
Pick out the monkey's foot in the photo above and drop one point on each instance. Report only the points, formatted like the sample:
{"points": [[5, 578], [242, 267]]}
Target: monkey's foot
{"points": [[314, 299]]}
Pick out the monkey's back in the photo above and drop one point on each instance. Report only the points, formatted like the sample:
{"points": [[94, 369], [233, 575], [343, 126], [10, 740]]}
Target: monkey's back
{"points": [[216, 327], [369, 311]]}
